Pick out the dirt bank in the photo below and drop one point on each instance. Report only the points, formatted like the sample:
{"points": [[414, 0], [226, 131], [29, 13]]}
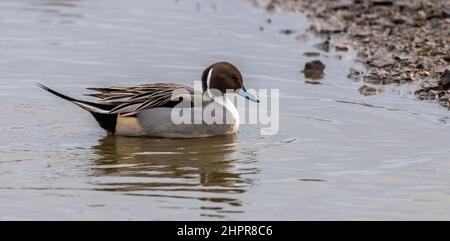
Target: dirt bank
{"points": [[398, 41]]}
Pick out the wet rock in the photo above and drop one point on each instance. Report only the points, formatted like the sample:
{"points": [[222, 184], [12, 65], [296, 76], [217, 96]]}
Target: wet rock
{"points": [[423, 64], [315, 65], [362, 55], [382, 2], [354, 74], [311, 54], [314, 70], [273, 6], [341, 48], [446, 58], [399, 20], [373, 79], [401, 58], [312, 180], [432, 89], [444, 81], [324, 46], [380, 62], [327, 31], [287, 31], [443, 95], [340, 5], [375, 76], [389, 80], [423, 94], [366, 90], [445, 13]]}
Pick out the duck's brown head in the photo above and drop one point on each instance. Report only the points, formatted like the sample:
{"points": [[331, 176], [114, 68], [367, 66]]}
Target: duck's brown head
{"points": [[223, 76]]}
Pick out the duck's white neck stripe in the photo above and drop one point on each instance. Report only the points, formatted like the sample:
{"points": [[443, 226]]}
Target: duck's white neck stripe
{"points": [[208, 79]]}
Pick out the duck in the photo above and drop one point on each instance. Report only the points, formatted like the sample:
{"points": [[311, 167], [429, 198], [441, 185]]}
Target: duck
{"points": [[148, 110]]}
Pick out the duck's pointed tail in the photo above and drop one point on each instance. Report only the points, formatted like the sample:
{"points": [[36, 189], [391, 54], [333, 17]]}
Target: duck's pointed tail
{"points": [[101, 112], [89, 106]]}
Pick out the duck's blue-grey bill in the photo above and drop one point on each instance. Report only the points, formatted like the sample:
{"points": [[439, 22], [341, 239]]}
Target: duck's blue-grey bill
{"points": [[243, 92]]}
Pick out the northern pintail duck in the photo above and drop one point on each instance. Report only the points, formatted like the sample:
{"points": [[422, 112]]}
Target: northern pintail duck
{"points": [[147, 110]]}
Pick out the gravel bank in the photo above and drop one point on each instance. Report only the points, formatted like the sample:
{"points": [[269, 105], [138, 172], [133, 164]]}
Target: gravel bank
{"points": [[398, 41]]}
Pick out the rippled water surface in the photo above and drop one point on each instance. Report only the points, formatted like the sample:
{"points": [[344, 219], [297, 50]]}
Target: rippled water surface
{"points": [[338, 154]]}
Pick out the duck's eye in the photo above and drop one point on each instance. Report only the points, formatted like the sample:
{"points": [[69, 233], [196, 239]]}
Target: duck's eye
{"points": [[233, 78]]}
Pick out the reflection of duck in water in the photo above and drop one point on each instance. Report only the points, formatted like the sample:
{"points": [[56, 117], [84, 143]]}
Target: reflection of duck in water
{"points": [[202, 168], [63, 11]]}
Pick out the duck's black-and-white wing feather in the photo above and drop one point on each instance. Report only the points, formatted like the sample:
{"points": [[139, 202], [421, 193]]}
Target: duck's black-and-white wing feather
{"points": [[133, 99]]}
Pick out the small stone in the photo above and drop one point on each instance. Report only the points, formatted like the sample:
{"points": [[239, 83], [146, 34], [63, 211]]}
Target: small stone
{"points": [[324, 46], [382, 2], [423, 64], [314, 69], [341, 5], [273, 6], [444, 80], [399, 20], [445, 14], [380, 62], [311, 54], [373, 80], [447, 58], [366, 90], [341, 48], [287, 31], [354, 74], [328, 31]]}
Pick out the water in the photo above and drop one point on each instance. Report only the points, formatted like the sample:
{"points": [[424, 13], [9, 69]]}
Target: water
{"points": [[338, 155]]}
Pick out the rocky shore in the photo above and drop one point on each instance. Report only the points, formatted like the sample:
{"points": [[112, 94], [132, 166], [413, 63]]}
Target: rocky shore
{"points": [[399, 42]]}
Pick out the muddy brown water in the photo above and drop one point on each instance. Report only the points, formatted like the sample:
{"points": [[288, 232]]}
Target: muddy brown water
{"points": [[337, 155]]}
